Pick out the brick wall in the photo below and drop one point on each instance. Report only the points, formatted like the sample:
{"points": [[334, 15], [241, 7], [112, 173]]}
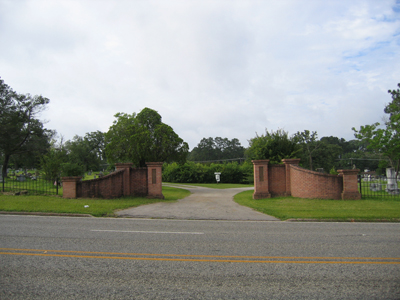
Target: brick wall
{"points": [[290, 179], [126, 181], [154, 180], [139, 182], [109, 186], [261, 181], [277, 180], [311, 184]]}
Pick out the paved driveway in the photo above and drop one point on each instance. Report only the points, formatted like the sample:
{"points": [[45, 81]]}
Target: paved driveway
{"points": [[202, 204]]}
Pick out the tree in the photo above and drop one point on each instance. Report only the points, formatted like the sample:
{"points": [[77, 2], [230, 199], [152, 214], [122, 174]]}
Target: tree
{"points": [[274, 146], [87, 151], [206, 150], [385, 139], [21, 131], [143, 138], [326, 155], [309, 143], [52, 161], [217, 149]]}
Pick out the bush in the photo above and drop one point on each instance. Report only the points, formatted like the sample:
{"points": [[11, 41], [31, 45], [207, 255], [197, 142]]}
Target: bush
{"points": [[191, 172], [70, 169]]}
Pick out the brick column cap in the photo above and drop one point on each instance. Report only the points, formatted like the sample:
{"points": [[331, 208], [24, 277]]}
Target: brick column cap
{"points": [[120, 166], [291, 161], [71, 179], [260, 161], [154, 163], [349, 172]]}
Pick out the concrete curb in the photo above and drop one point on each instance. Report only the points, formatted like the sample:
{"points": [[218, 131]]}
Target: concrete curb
{"points": [[345, 221], [44, 214]]}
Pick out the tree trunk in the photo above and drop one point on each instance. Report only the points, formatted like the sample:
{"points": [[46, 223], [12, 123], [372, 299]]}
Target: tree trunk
{"points": [[5, 165]]}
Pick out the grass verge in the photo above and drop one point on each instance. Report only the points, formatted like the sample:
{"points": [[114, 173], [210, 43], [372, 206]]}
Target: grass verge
{"points": [[285, 208], [96, 207]]}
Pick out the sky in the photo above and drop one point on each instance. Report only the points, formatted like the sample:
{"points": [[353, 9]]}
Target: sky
{"points": [[231, 69]]}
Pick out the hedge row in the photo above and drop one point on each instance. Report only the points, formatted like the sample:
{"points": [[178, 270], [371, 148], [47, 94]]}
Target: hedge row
{"points": [[191, 172]]}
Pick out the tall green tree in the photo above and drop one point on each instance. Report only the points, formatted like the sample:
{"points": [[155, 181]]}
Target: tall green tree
{"points": [[87, 151], [51, 162], [209, 149], [308, 141], [326, 155], [143, 137], [205, 150], [274, 145], [21, 131], [384, 138]]}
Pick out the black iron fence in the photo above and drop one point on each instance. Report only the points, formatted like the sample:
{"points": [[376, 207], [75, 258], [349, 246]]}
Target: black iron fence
{"points": [[381, 187], [30, 184]]}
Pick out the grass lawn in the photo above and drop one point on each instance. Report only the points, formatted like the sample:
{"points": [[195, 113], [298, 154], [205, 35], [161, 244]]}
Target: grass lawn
{"points": [[341, 210], [97, 207], [212, 185]]}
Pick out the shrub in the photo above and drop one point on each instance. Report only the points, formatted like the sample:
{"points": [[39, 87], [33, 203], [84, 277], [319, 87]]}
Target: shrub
{"points": [[191, 172], [70, 169]]}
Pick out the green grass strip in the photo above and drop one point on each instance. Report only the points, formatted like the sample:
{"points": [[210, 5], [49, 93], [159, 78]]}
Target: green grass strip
{"points": [[96, 207], [285, 208]]}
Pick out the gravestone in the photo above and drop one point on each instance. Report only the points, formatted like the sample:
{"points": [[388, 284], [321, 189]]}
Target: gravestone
{"points": [[375, 187], [391, 186], [1, 173], [21, 178]]}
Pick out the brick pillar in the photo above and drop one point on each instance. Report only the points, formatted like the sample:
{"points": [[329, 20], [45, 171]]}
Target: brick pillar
{"points": [[126, 181], [350, 184], [69, 186], [154, 180], [261, 189], [288, 162]]}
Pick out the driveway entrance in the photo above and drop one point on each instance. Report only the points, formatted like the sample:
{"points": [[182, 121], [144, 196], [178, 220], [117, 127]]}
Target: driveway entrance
{"points": [[202, 204]]}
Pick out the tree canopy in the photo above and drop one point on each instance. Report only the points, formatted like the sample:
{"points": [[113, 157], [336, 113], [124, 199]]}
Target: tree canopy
{"points": [[143, 137], [217, 149], [274, 145], [87, 151], [21, 131], [309, 144], [384, 138]]}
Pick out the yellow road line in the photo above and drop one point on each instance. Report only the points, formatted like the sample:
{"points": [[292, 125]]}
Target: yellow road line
{"points": [[203, 260], [199, 255], [250, 259]]}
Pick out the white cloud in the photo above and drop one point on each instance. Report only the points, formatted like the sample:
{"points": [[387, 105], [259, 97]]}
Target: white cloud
{"points": [[210, 68]]}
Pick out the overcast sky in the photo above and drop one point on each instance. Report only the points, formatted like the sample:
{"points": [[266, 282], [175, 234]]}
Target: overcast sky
{"points": [[210, 68]]}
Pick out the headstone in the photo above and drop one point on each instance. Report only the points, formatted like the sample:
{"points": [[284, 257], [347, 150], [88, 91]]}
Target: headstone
{"points": [[1, 173], [21, 178], [375, 187], [391, 186]]}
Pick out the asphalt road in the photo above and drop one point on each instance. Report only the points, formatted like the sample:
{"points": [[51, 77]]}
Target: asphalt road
{"points": [[92, 258]]}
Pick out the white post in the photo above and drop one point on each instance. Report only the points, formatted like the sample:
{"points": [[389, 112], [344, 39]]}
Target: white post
{"points": [[217, 176]]}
